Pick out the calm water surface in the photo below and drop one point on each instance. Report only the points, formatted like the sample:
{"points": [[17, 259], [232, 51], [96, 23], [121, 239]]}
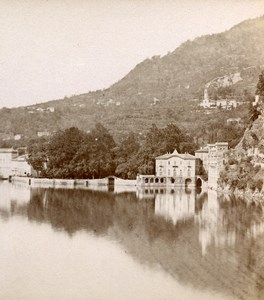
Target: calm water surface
{"points": [[146, 244]]}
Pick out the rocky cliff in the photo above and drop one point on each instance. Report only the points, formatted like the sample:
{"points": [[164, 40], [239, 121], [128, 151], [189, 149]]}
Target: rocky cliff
{"points": [[243, 169]]}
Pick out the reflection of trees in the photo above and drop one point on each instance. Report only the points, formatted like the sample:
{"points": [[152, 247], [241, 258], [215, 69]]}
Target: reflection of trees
{"points": [[36, 205], [151, 239], [72, 210]]}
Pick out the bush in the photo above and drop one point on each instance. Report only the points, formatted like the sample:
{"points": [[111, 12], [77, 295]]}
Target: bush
{"points": [[255, 184], [242, 183], [232, 161], [259, 184]]}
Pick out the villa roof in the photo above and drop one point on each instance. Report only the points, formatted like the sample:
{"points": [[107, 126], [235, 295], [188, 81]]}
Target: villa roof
{"points": [[21, 158], [176, 154], [201, 151]]}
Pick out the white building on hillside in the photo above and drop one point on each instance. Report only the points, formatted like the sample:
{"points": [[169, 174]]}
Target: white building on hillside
{"points": [[223, 103]]}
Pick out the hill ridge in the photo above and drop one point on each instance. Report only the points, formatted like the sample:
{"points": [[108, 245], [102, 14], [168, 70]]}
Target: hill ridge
{"points": [[159, 89]]}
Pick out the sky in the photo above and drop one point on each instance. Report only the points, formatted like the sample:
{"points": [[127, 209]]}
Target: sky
{"points": [[56, 48]]}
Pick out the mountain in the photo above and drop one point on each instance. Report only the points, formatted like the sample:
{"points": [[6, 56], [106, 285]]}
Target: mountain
{"points": [[160, 90]]}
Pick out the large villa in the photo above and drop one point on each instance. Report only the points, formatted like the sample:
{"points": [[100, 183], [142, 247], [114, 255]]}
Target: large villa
{"points": [[186, 170]]}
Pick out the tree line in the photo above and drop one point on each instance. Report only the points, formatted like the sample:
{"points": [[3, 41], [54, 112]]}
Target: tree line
{"points": [[73, 153]]}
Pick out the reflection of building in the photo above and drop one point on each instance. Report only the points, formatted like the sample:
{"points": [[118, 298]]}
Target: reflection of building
{"points": [[176, 206], [172, 169], [13, 193], [212, 226], [5, 196], [143, 193]]}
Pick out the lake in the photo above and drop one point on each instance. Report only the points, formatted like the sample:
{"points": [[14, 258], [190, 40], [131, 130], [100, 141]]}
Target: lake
{"points": [[143, 244]]}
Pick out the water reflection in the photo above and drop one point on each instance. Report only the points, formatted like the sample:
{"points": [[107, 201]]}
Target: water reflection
{"points": [[208, 243], [177, 205], [12, 198]]}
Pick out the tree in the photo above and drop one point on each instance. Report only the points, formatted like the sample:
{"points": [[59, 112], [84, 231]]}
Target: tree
{"points": [[161, 141], [37, 155], [61, 150], [254, 111], [260, 85], [126, 157], [101, 161], [73, 153]]}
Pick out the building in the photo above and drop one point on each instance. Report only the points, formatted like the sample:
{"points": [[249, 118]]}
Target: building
{"points": [[175, 164], [172, 169], [43, 133], [202, 155], [211, 158], [233, 121], [223, 103], [20, 166], [13, 165], [6, 157], [256, 100], [51, 109], [215, 161], [17, 137]]}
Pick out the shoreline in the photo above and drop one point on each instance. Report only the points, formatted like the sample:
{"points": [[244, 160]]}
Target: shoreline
{"points": [[71, 183], [247, 195]]}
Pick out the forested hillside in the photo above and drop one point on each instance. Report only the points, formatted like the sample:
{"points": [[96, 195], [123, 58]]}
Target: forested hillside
{"points": [[161, 90]]}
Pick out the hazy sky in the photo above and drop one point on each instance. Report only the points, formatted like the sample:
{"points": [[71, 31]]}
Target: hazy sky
{"points": [[55, 48]]}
